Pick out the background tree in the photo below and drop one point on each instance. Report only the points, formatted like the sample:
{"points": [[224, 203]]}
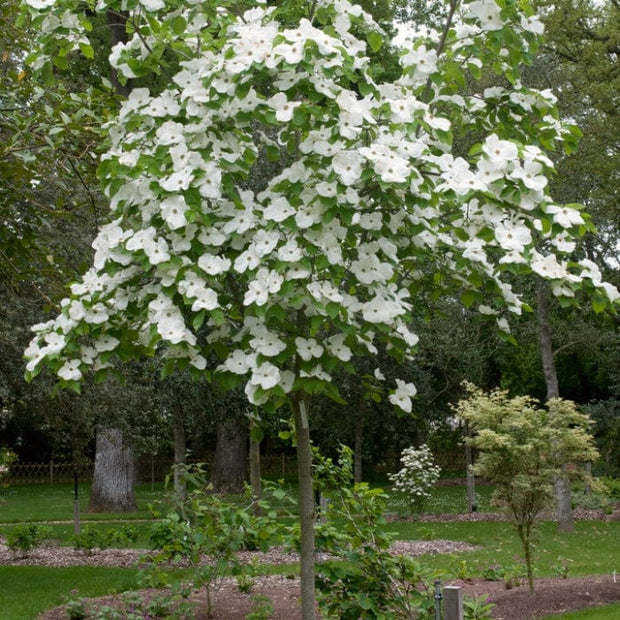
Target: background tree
{"points": [[522, 450]]}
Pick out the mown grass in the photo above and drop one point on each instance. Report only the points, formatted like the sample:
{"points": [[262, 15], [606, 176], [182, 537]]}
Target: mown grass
{"points": [[28, 590], [590, 550], [45, 502], [608, 612]]}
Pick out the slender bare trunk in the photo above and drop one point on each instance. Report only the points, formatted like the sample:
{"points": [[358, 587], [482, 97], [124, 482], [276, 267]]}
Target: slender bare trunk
{"points": [[255, 472], [564, 510], [306, 505], [180, 451], [358, 446]]}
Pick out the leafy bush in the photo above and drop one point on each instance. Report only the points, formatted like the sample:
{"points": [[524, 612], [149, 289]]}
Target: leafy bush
{"points": [[203, 523], [25, 536], [414, 482], [364, 580]]}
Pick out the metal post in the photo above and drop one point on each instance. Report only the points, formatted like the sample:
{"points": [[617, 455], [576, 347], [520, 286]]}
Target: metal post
{"points": [[438, 597]]}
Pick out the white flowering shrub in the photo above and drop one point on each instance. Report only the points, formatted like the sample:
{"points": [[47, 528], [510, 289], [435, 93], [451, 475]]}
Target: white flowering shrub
{"points": [[414, 482]]}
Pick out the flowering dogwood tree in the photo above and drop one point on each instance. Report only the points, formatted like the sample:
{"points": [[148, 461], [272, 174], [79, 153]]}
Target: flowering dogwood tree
{"points": [[378, 190]]}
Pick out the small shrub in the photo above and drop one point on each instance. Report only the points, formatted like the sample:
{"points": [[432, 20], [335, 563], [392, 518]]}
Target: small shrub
{"points": [[364, 580], [25, 536], [89, 539], [262, 608], [75, 609], [477, 608], [415, 480]]}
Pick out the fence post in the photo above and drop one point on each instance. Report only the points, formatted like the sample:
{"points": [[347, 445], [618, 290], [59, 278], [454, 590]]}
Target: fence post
{"points": [[453, 603]]}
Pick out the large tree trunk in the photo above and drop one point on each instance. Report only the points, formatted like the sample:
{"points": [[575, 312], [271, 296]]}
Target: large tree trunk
{"points": [[564, 510], [114, 475], [228, 474], [307, 513], [180, 451]]}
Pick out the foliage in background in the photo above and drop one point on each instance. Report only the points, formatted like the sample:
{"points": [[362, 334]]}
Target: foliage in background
{"points": [[522, 448]]}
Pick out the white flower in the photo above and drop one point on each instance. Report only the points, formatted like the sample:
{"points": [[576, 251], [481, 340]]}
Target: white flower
{"points": [[513, 236], [153, 5], [381, 310], [266, 376], [170, 132], [565, 216], [548, 266], [290, 252], [424, 60], [106, 343], [258, 290], [487, 13], [267, 344], [337, 347], [96, 314], [278, 209], [499, 151], [401, 397], [530, 175], [307, 348], [70, 371], [283, 107], [173, 211], [40, 4], [348, 166], [532, 24], [239, 362], [214, 265]]}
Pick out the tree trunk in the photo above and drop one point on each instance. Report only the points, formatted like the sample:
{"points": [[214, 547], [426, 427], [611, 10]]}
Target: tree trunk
{"points": [[114, 475], [564, 510], [306, 505], [255, 473], [180, 451], [358, 445], [230, 461]]}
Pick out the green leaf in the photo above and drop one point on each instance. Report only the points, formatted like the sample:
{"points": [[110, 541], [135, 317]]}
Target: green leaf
{"points": [[375, 40], [179, 25], [468, 298], [87, 50], [198, 320]]}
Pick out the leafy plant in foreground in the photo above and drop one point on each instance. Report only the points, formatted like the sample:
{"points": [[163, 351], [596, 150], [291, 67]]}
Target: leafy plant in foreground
{"points": [[205, 531], [364, 580]]}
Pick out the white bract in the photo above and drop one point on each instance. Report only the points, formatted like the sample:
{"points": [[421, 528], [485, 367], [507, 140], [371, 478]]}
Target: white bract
{"points": [[276, 206]]}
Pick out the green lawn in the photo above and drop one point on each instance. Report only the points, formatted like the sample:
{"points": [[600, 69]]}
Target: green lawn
{"points": [[45, 502], [591, 550], [28, 590], [609, 612]]}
